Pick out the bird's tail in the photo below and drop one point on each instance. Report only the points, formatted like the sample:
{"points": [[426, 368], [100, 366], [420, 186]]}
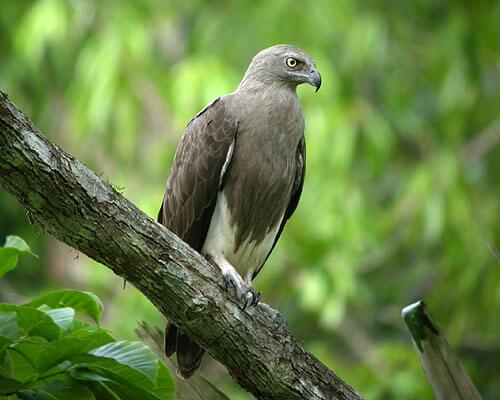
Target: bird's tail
{"points": [[189, 354]]}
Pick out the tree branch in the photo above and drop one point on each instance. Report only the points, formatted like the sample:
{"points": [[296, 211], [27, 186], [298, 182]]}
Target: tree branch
{"points": [[72, 203]]}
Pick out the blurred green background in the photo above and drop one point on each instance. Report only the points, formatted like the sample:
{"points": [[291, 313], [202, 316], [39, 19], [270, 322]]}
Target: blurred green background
{"points": [[401, 199]]}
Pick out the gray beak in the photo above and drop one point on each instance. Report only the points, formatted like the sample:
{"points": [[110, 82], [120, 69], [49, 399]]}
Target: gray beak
{"points": [[314, 79]]}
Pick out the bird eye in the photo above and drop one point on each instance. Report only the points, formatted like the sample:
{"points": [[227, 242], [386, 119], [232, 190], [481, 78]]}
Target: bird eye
{"points": [[291, 62]]}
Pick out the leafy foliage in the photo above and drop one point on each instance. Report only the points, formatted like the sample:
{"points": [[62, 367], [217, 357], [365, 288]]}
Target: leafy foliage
{"points": [[46, 353], [9, 253]]}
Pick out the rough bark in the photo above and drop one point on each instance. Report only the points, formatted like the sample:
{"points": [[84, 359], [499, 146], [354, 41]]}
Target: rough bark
{"points": [[69, 201]]}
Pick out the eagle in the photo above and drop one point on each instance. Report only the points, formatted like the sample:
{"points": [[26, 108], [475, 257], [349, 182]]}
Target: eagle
{"points": [[237, 177]]}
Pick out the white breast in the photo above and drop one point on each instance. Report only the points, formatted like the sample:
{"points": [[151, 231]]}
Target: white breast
{"points": [[221, 238]]}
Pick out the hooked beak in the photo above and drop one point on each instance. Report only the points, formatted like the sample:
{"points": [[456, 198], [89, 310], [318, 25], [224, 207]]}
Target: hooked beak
{"points": [[314, 79]]}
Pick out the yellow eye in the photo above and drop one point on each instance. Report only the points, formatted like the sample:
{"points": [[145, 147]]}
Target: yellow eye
{"points": [[291, 62]]}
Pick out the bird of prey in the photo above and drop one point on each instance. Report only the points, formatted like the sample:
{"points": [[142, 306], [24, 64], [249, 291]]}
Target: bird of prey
{"points": [[237, 176]]}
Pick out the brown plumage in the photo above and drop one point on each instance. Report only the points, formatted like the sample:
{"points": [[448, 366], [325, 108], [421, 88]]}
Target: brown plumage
{"points": [[194, 179], [237, 176]]}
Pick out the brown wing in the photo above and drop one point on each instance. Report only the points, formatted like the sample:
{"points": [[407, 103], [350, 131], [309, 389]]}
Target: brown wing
{"points": [[300, 171], [194, 180]]}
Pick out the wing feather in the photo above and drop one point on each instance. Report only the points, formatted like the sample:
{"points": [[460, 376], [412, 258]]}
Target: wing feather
{"points": [[300, 171], [196, 174]]}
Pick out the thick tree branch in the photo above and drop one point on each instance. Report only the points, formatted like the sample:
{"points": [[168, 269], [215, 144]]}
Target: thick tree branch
{"points": [[72, 203]]}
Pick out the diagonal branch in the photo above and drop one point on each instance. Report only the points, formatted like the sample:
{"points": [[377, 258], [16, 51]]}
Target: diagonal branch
{"points": [[69, 201]]}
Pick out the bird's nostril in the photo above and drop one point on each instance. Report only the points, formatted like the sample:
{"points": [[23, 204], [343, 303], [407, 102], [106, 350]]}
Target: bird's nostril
{"points": [[312, 71]]}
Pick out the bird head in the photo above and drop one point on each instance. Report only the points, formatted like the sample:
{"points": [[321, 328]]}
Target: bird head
{"points": [[284, 64]]}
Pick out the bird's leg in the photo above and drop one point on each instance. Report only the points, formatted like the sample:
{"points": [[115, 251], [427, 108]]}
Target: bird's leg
{"points": [[248, 280], [246, 294]]}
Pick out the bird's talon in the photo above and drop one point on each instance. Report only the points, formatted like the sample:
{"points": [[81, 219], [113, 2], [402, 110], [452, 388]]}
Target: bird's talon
{"points": [[246, 294], [227, 280], [256, 298]]}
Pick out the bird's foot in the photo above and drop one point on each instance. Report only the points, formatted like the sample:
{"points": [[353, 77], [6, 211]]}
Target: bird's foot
{"points": [[246, 294]]}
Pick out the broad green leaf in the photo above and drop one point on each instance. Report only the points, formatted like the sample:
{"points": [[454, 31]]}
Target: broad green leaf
{"points": [[79, 325], [115, 385], [73, 344], [9, 253], [98, 336], [165, 387], [85, 374], [30, 347], [20, 368], [4, 342], [8, 260], [15, 242], [129, 392], [33, 321], [85, 302], [64, 390], [31, 395], [101, 390], [8, 385], [133, 354], [153, 337], [67, 347], [201, 385], [63, 317], [59, 351], [8, 324], [113, 370]]}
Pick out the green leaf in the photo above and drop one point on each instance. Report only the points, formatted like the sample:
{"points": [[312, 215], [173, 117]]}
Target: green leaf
{"points": [[64, 390], [133, 354], [8, 260], [110, 385], [122, 362], [68, 347], [30, 348], [4, 342], [20, 368], [101, 390], [8, 325], [79, 325], [33, 321], [165, 387], [199, 384], [9, 253], [31, 395], [85, 302], [98, 336], [15, 242], [111, 368], [127, 392], [8, 385], [153, 337], [85, 374], [63, 317]]}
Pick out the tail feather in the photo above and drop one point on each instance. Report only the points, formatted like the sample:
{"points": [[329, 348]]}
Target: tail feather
{"points": [[189, 354], [170, 339]]}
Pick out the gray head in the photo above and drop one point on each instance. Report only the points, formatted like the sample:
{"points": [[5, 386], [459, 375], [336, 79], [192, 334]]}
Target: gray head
{"points": [[282, 64]]}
